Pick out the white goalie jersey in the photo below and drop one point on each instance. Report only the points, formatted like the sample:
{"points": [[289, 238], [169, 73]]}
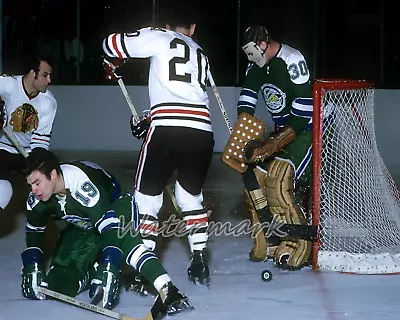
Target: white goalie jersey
{"points": [[177, 78]]}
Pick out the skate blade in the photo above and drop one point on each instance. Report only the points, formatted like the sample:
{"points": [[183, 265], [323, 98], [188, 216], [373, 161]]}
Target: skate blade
{"points": [[182, 306], [201, 282]]}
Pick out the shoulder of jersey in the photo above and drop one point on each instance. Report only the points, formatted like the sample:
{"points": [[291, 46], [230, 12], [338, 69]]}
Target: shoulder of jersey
{"points": [[154, 32], [293, 56], [72, 168], [49, 96], [290, 54], [11, 78]]}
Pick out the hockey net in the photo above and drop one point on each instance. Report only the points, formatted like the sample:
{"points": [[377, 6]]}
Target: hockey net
{"points": [[355, 201]]}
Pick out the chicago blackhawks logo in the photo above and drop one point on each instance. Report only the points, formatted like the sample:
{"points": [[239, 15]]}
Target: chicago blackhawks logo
{"points": [[274, 98], [24, 118]]}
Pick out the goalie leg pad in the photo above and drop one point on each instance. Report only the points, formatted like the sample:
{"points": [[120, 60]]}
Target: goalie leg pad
{"points": [[294, 253], [257, 200]]}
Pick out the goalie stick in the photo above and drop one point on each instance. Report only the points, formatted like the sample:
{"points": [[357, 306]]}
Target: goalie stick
{"points": [[151, 315]]}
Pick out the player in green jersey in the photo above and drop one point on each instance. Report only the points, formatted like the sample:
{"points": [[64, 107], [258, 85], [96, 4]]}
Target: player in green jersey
{"points": [[281, 163], [90, 200]]}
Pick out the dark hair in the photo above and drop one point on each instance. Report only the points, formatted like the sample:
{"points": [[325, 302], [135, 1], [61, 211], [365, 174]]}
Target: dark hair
{"points": [[180, 15], [33, 63], [43, 161]]}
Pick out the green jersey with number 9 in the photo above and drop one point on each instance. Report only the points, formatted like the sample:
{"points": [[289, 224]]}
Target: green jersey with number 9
{"points": [[285, 86]]}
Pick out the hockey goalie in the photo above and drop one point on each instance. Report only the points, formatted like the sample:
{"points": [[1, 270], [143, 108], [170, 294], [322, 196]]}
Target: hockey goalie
{"points": [[277, 170]]}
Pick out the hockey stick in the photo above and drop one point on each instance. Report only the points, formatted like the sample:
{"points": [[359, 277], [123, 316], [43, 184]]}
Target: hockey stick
{"points": [[219, 100], [94, 308], [14, 141], [136, 117]]}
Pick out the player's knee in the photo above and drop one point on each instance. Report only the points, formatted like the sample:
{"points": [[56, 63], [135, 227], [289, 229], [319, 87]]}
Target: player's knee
{"points": [[6, 192], [186, 201], [149, 205]]}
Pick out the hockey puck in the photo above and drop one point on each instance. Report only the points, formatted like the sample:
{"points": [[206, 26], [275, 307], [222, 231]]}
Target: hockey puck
{"points": [[266, 275]]}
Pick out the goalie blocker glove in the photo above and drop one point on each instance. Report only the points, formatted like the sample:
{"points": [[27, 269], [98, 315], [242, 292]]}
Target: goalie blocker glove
{"points": [[104, 286], [33, 273], [3, 114]]}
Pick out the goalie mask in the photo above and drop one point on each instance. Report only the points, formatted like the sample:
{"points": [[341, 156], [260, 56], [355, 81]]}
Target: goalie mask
{"points": [[24, 119], [253, 36]]}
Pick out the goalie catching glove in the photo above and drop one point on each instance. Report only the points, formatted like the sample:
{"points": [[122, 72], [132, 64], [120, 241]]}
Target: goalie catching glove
{"points": [[104, 286], [256, 151], [33, 273]]}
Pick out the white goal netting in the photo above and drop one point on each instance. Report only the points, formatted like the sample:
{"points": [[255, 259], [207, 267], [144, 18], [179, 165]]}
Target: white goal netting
{"points": [[359, 204]]}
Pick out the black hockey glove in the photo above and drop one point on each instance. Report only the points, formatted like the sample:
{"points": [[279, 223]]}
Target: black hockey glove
{"points": [[33, 273], [139, 130], [105, 282], [3, 114]]}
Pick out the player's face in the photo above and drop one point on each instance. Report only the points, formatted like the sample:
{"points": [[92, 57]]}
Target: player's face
{"points": [[43, 77], [42, 187]]}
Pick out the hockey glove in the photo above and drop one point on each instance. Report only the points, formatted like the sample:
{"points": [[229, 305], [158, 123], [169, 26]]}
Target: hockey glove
{"points": [[104, 287], [109, 65], [33, 273], [139, 130], [3, 114]]}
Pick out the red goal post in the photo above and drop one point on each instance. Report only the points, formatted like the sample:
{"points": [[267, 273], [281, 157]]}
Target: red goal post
{"points": [[355, 201]]}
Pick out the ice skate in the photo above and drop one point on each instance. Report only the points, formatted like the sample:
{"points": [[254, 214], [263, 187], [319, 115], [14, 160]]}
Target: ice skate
{"points": [[198, 271], [175, 301]]}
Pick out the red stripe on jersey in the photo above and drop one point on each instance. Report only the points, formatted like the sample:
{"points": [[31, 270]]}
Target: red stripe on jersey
{"points": [[148, 227], [114, 44], [40, 139], [189, 112], [139, 169], [191, 222]]}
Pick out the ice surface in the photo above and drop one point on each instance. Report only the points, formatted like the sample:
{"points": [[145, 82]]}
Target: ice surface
{"points": [[236, 290]]}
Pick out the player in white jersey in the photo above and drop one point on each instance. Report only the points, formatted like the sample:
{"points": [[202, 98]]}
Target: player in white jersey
{"points": [[29, 113], [179, 137]]}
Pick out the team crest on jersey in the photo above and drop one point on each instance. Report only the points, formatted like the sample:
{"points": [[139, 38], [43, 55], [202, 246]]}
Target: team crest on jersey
{"points": [[24, 118], [79, 222], [274, 98]]}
